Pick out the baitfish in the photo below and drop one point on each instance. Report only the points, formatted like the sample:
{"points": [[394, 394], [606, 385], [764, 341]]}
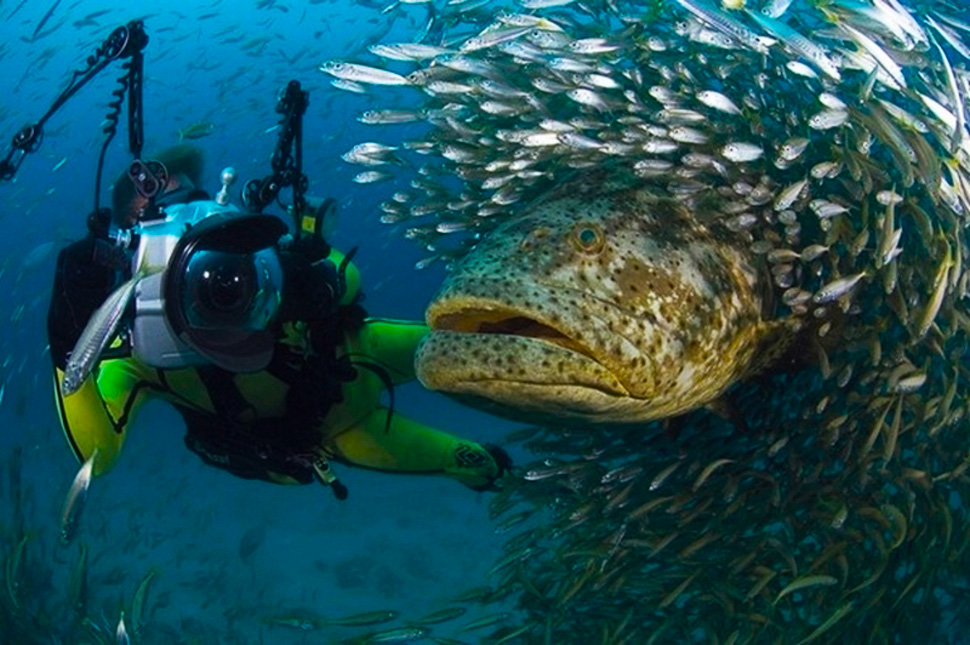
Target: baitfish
{"points": [[197, 130], [121, 632], [362, 73], [603, 300], [96, 335], [398, 635], [74, 502], [306, 622], [138, 603]]}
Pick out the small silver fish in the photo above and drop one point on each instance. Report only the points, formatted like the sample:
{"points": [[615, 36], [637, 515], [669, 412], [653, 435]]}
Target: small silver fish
{"points": [[368, 149], [790, 195], [407, 51], [492, 38], [798, 43], [813, 252], [884, 60], [826, 169], [827, 119], [579, 141], [74, 502], [588, 97], [96, 335], [683, 134], [467, 65], [448, 87], [567, 64], [362, 73], [825, 209], [739, 151], [197, 130], [799, 68], [718, 101], [544, 4], [831, 101], [548, 40], [592, 46], [371, 176], [793, 148], [121, 634], [727, 25], [397, 635], [889, 236], [837, 288], [539, 139], [775, 8], [348, 86], [599, 80], [383, 117]]}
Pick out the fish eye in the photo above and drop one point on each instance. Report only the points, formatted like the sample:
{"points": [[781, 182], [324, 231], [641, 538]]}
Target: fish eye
{"points": [[588, 237]]}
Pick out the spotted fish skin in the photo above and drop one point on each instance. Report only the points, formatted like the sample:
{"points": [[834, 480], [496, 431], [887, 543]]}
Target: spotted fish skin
{"points": [[605, 300]]}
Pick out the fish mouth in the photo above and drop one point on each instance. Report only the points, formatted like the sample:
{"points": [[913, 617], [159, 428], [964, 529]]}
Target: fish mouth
{"points": [[508, 322], [517, 361]]}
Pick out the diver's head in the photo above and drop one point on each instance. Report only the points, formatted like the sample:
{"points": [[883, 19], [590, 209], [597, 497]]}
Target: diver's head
{"points": [[184, 164]]}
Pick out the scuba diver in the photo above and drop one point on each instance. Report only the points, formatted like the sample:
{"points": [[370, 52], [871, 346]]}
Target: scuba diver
{"points": [[258, 339], [255, 334]]}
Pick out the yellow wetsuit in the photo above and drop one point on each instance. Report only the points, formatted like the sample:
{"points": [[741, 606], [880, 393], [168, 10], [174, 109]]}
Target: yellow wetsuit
{"points": [[358, 429]]}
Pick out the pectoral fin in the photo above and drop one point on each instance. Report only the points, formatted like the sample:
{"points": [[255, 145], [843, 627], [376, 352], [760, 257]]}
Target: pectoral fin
{"points": [[775, 345]]}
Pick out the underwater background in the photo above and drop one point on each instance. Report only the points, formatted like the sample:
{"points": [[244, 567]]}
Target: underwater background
{"points": [[842, 514], [226, 552]]}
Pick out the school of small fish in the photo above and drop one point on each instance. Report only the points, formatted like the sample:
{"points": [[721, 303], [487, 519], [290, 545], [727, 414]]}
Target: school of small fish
{"points": [[826, 503], [823, 503]]}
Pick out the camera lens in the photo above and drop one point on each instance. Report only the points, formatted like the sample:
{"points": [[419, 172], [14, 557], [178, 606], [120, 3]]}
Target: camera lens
{"points": [[227, 287], [221, 289], [229, 291]]}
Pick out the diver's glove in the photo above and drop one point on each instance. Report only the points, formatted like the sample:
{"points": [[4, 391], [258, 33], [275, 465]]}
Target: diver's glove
{"points": [[502, 460]]}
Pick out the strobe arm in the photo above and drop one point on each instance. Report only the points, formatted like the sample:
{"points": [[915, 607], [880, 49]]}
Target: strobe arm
{"points": [[124, 42]]}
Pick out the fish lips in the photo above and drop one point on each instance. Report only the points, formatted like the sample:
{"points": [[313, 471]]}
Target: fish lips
{"points": [[514, 364]]}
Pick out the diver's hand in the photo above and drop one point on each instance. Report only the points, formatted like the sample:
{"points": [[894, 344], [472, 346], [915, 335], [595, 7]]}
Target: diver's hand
{"points": [[502, 460]]}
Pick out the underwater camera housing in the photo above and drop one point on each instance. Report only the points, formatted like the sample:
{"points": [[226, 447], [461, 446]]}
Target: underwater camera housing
{"points": [[212, 287]]}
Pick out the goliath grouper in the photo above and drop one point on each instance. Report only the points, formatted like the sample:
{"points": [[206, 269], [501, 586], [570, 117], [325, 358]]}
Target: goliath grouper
{"points": [[601, 301]]}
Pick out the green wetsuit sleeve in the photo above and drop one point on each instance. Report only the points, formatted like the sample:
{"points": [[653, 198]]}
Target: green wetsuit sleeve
{"points": [[391, 344], [411, 447]]}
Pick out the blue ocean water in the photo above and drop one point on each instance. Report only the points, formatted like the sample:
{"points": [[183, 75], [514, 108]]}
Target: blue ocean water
{"points": [[225, 555], [226, 552]]}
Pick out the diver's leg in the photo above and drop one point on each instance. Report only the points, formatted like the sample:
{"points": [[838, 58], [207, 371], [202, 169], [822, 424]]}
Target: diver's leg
{"points": [[408, 446]]}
